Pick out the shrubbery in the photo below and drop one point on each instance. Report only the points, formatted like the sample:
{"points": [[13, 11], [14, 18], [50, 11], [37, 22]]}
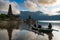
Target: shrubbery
{"points": [[3, 16]]}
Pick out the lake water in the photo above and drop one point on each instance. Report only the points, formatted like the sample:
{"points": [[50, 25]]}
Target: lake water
{"points": [[29, 35]]}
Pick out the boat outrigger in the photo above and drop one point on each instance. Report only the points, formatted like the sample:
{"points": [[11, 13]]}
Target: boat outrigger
{"points": [[44, 30]]}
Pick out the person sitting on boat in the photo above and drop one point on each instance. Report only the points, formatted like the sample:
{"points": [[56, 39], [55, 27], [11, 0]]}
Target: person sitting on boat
{"points": [[39, 27], [39, 30], [34, 25], [49, 26]]}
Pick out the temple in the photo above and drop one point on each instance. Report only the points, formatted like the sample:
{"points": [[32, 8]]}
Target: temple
{"points": [[10, 22], [10, 10], [10, 14]]}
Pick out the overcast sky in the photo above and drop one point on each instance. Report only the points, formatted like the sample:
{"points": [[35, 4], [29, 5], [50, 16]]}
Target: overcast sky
{"points": [[50, 7]]}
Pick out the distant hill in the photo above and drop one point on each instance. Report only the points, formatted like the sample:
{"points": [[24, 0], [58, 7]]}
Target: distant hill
{"points": [[38, 15]]}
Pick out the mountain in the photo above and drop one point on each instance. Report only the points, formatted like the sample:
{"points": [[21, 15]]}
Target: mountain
{"points": [[38, 15], [25, 14]]}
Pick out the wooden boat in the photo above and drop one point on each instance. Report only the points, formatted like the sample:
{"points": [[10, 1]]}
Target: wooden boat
{"points": [[44, 30]]}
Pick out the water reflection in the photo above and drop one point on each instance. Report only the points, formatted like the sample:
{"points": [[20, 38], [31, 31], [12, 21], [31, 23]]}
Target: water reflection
{"points": [[27, 34], [41, 31], [9, 26], [50, 35]]}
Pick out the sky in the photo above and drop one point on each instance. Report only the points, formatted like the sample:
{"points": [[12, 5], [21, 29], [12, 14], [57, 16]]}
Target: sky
{"points": [[50, 7], [18, 1]]}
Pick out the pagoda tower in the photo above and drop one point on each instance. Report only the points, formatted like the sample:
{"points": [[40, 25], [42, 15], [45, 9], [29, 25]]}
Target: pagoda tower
{"points": [[10, 10]]}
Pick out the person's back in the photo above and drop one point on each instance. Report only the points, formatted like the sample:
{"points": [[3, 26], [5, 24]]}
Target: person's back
{"points": [[34, 25], [49, 26], [39, 26]]}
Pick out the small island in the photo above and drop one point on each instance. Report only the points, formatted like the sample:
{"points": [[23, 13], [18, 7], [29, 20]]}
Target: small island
{"points": [[9, 15], [9, 22]]}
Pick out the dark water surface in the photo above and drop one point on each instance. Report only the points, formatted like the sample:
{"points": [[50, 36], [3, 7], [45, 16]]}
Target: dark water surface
{"points": [[29, 35]]}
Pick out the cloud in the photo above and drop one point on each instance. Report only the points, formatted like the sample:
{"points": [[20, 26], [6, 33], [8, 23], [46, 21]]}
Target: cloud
{"points": [[36, 5], [4, 5], [25, 35], [15, 8], [44, 1], [47, 6], [28, 35], [3, 34], [22, 35], [31, 6]]}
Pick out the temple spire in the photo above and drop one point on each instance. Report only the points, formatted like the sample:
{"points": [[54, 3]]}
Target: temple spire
{"points": [[10, 10]]}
